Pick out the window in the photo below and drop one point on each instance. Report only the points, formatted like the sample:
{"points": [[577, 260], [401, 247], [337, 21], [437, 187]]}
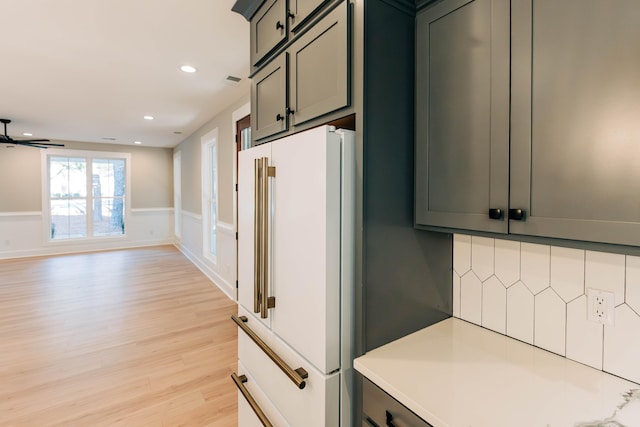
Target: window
{"points": [[210, 195], [85, 194]]}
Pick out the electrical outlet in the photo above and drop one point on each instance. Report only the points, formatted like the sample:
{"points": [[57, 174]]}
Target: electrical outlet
{"points": [[601, 306]]}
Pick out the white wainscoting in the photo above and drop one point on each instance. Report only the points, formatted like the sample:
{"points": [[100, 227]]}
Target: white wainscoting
{"points": [[22, 235], [223, 273]]}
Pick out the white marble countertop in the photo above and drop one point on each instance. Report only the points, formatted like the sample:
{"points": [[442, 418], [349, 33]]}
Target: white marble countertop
{"points": [[456, 374]]}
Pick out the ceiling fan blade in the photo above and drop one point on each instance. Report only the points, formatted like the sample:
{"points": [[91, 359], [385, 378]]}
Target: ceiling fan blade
{"points": [[35, 145]]}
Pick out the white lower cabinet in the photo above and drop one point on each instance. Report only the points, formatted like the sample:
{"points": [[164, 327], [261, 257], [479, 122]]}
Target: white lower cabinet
{"points": [[246, 415], [316, 405]]}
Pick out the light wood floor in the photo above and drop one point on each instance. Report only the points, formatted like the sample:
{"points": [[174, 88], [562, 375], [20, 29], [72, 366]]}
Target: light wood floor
{"points": [[124, 338]]}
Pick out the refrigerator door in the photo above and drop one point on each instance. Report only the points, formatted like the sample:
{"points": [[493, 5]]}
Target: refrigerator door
{"points": [[248, 259], [306, 241]]}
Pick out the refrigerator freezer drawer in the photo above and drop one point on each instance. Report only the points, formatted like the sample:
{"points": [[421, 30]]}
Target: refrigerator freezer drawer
{"points": [[246, 415], [316, 405]]}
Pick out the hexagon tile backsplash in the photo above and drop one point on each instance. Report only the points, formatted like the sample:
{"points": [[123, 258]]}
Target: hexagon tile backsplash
{"points": [[537, 294]]}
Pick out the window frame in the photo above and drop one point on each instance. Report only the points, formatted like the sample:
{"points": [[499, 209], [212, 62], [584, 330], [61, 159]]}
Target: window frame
{"points": [[209, 142], [89, 156]]}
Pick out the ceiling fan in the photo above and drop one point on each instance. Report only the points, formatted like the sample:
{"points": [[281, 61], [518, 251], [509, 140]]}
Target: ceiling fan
{"points": [[37, 143]]}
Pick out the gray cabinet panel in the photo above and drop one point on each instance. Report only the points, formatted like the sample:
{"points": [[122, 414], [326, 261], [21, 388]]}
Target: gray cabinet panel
{"points": [[575, 133], [462, 114], [268, 29], [318, 79], [300, 10], [376, 404], [268, 99]]}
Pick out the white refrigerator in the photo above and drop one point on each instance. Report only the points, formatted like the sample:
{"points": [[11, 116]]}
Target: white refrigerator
{"points": [[296, 206]]}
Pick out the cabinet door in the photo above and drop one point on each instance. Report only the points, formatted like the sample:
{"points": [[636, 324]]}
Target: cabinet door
{"points": [[246, 227], [300, 10], [319, 75], [268, 99], [306, 242], [462, 114], [268, 29], [575, 141]]}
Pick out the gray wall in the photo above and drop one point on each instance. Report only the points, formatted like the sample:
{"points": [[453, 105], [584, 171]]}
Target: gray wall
{"points": [[191, 164], [21, 181]]}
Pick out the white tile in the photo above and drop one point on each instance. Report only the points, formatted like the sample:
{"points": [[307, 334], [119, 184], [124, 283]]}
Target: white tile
{"points": [[471, 298], [622, 345], [520, 313], [567, 272], [461, 253], [550, 322], [482, 257], [633, 283], [606, 272], [534, 272], [456, 295], [584, 338], [494, 305], [507, 261]]}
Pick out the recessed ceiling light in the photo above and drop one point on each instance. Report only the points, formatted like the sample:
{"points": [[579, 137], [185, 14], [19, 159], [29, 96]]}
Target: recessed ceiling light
{"points": [[188, 69], [148, 117], [137, 142], [27, 134]]}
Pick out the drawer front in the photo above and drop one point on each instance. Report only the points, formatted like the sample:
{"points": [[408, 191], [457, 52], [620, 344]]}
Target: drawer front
{"points": [[246, 415], [376, 404], [316, 405]]}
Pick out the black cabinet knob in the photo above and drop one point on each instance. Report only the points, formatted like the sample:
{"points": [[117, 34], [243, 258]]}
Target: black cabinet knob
{"points": [[290, 111], [496, 213], [390, 420], [291, 15], [279, 26], [279, 117], [517, 214]]}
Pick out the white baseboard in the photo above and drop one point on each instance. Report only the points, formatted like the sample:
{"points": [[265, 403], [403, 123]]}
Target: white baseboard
{"points": [[219, 281]]}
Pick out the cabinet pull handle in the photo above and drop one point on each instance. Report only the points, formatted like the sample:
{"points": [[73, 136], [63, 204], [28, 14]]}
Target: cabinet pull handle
{"points": [[279, 26], [390, 419], [296, 375], [496, 213], [291, 15], [290, 111], [517, 214], [240, 380], [279, 117]]}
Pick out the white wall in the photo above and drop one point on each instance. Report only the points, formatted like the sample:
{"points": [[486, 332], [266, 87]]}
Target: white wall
{"points": [[537, 294], [224, 271], [22, 234]]}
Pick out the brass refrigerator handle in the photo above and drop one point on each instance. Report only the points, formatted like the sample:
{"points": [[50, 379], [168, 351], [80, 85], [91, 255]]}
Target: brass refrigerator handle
{"points": [[256, 237], [266, 302], [296, 375], [240, 380]]}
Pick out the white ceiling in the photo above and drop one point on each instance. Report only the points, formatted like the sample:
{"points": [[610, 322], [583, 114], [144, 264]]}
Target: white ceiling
{"points": [[84, 70]]}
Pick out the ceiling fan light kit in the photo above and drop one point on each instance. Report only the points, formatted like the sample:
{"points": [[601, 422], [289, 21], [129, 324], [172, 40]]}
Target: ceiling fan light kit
{"points": [[37, 143]]}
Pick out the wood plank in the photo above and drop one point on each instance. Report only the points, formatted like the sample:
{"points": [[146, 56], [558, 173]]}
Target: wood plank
{"points": [[128, 337]]}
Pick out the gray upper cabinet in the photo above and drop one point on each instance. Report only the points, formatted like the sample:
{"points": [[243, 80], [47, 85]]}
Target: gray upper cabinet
{"points": [[575, 137], [462, 115], [306, 81], [318, 61], [268, 29], [301, 10], [268, 99]]}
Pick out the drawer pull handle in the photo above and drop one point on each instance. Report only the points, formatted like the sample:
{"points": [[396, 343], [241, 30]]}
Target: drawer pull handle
{"points": [[496, 213], [517, 214], [279, 26], [390, 420], [240, 380], [296, 375]]}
